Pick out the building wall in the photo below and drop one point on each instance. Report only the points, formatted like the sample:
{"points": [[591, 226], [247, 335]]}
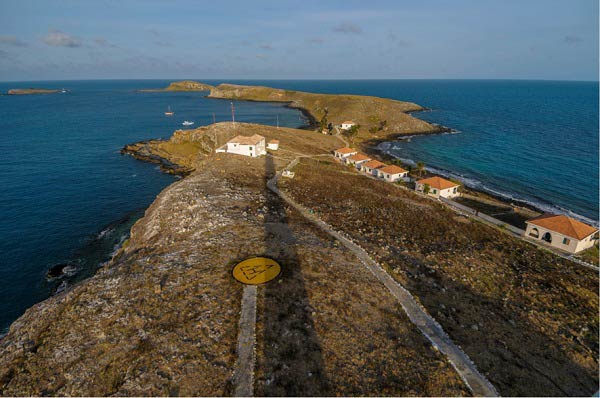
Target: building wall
{"points": [[572, 246], [242, 149], [346, 126], [436, 193]]}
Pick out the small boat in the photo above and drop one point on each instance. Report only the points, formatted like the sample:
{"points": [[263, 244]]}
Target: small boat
{"points": [[63, 91], [169, 112], [187, 123]]}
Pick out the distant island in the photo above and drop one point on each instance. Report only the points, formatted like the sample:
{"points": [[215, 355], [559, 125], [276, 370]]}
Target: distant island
{"points": [[31, 91], [184, 85]]}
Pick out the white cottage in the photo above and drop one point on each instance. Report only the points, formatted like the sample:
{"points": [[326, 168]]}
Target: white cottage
{"points": [[273, 145], [347, 125], [438, 186], [343, 153], [252, 146], [392, 173], [562, 232], [357, 159], [371, 167]]}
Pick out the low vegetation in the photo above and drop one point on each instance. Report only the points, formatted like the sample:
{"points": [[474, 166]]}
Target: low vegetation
{"points": [[527, 318]]}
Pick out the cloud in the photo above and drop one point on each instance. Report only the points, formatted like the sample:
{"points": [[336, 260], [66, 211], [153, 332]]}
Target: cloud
{"points": [[56, 38], [104, 43], [266, 47], [12, 41], [315, 40], [573, 39], [347, 27], [261, 56]]}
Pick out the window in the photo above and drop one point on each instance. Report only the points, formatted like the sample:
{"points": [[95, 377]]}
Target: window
{"points": [[566, 241], [434, 191], [250, 148], [454, 190], [534, 233]]}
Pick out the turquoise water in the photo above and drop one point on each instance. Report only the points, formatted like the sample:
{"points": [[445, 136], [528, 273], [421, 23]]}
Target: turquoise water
{"points": [[69, 196]]}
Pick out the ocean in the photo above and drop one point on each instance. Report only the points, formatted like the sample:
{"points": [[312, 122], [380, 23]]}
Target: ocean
{"points": [[68, 196]]}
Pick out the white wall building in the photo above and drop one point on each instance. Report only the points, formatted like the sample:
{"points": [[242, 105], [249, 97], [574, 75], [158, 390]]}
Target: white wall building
{"points": [[562, 232], [343, 153], [357, 159], [253, 146], [392, 173], [273, 145], [371, 167], [347, 125], [438, 186]]}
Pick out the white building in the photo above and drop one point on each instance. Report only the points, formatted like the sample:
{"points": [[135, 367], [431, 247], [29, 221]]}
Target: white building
{"points": [[438, 186], [273, 145], [357, 159], [347, 125], [371, 167], [343, 153], [253, 146], [392, 173], [562, 232]]}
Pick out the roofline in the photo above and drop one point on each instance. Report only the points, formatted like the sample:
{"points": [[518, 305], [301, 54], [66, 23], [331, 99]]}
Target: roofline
{"points": [[588, 235]]}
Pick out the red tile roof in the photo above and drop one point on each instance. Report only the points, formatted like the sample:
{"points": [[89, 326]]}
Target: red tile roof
{"points": [[373, 164], [359, 157], [393, 169], [564, 225], [438, 183], [345, 150]]}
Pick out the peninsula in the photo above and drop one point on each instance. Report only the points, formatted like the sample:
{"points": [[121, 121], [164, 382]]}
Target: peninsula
{"points": [[184, 85], [163, 317], [30, 91]]}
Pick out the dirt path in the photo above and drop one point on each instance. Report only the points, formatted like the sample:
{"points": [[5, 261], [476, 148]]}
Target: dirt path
{"points": [[478, 384], [244, 367]]}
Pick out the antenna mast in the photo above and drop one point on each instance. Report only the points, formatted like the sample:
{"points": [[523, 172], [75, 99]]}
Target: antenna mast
{"points": [[278, 121], [233, 114]]}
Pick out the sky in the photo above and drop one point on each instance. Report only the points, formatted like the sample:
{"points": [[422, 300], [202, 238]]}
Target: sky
{"points": [[425, 39]]}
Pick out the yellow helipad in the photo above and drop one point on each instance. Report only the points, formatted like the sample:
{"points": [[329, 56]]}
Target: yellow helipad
{"points": [[256, 271]]}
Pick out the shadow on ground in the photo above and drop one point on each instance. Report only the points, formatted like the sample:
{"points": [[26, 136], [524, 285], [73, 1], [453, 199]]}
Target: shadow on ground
{"points": [[289, 357]]}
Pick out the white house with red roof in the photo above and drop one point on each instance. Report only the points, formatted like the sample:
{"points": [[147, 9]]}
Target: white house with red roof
{"points": [[357, 159], [438, 186], [392, 173], [562, 232], [252, 146], [343, 153], [371, 167]]}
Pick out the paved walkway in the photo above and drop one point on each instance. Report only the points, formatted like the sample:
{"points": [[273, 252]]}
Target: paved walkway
{"points": [[243, 377], [478, 384]]}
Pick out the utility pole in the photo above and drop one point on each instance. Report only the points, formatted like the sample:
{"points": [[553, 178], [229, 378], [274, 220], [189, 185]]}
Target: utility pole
{"points": [[278, 121], [233, 114], [214, 119]]}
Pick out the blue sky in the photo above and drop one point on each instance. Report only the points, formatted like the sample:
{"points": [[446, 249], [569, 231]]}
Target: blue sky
{"points": [[428, 39]]}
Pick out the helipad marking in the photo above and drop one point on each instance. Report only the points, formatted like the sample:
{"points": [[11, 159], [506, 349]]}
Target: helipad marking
{"points": [[256, 271]]}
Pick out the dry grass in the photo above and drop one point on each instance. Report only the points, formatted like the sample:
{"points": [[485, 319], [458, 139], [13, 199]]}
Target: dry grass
{"points": [[364, 110], [527, 318]]}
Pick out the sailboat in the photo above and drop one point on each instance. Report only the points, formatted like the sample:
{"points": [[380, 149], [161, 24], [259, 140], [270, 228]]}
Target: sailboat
{"points": [[169, 112]]}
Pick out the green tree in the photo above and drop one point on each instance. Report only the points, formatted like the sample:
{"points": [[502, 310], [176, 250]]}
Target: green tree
{"points": [[420, 168], [323, 123], [351, 132], [426, 189], [373, 130]]}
